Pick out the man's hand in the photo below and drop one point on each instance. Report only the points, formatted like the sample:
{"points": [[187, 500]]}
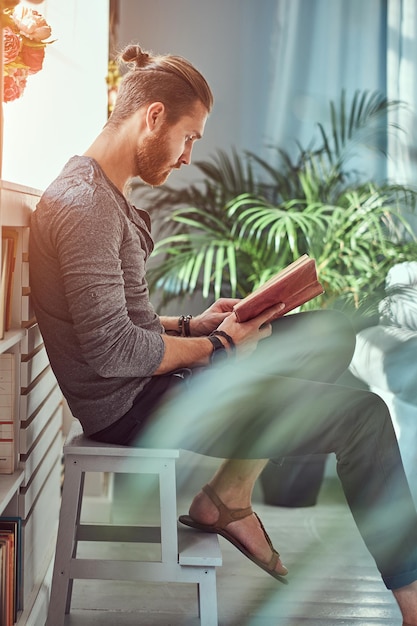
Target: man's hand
{"points": [[209, 320], [246, 335], [196, 351]]}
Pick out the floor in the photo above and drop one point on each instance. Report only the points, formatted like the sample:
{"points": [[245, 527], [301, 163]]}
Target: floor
{"points": [[332, 580]]}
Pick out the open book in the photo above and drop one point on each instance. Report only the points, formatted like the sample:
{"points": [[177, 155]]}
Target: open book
{"points": [[294, 285]]}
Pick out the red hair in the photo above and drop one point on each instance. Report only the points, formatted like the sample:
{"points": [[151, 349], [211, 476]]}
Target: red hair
{"points": [[169, 79]]}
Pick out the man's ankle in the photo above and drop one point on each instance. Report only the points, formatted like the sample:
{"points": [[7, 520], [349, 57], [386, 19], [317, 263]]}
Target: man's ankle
{"points": [[406, 598]]}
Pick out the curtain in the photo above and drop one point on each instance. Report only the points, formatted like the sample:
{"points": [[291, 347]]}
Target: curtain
{"points": [[402, 85], [320, 47]]}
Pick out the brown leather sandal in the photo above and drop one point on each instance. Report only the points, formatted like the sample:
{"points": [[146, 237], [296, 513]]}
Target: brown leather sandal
{"points": [[226, 516]]}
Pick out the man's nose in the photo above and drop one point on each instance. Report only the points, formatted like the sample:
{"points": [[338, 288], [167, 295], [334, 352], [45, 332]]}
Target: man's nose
{"points": [[185, 158]]}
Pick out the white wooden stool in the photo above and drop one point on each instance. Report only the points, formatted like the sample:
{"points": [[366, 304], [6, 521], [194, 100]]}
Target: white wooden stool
{"points": [[187, 556]]}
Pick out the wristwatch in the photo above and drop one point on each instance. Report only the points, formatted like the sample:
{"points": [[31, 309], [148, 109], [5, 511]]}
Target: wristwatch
{"points": [[219, 352]]}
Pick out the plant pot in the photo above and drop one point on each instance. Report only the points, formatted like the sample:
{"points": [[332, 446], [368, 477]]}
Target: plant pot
{"points": [[293, 481]]}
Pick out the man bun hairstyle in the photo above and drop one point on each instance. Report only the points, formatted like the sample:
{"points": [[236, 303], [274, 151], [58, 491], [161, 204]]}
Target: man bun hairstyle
{"points": [[135, 55], [169, 79]]}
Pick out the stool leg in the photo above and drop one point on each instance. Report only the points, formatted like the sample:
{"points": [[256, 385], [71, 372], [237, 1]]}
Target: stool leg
{"points": [[75, 546], [70, 510], [168, 511], [207, 598]]}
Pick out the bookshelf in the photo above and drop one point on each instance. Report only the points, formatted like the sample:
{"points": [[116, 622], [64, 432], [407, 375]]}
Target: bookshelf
{"points": [[32, 491]]}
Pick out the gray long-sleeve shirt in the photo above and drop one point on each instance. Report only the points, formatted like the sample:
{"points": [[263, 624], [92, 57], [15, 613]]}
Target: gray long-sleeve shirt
{"points": [[88, 251]]}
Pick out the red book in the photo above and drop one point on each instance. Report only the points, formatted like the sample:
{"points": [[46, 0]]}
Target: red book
{"points": [[294, 285]]}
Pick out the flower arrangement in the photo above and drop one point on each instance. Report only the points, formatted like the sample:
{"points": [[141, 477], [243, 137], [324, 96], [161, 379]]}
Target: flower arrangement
{"points": [[24, 35]]}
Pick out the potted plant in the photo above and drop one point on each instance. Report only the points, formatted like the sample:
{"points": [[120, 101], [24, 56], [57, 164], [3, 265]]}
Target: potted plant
{"points": [[230, 232], [247, 219]]}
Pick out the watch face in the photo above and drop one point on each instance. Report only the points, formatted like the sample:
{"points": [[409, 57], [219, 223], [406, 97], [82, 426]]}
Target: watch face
{"points": [[219, 355]]}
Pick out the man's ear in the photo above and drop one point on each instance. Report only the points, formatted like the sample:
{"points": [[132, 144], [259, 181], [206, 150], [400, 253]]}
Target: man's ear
{"points": [[155, 114]]}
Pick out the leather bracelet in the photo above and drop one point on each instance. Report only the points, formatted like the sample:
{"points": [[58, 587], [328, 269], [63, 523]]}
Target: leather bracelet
{"points": [[219, 349], [184, 325], [181, 324], [228, 338]]}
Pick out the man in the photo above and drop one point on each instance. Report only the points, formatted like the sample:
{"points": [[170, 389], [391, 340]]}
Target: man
{"points": [[116, 359]]}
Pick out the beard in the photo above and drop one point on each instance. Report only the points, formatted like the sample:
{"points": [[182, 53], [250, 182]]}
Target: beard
{"points": [[152, 158]]}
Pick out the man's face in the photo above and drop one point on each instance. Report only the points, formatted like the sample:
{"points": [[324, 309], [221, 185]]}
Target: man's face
{"points": [[169, 147]]}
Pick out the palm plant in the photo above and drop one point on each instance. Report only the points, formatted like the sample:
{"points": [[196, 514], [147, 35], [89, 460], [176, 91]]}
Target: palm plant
{"points": [[248, 218]]}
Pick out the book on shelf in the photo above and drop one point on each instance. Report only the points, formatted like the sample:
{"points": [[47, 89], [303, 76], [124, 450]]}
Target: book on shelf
{"points": [[3, 582], [12, 526], [7, 599], [12, 235], [9, 241], [7, 406], [3, 283], [294, 285]]}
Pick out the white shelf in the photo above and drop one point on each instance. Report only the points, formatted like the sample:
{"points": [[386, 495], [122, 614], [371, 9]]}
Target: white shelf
{"points": [[17, 203], [37, 416], [9, 486], [11, 338], [17, 188]]}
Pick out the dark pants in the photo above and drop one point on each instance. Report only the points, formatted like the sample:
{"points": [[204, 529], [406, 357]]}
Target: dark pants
{"points": [[283, 402]]}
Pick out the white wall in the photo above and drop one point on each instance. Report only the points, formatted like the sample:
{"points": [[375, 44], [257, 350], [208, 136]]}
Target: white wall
{"points": [[273, 65], [64, 106]]}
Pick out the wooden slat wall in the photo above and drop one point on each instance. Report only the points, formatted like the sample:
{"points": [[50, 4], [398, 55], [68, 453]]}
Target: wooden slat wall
{"points": [[40, 439]]}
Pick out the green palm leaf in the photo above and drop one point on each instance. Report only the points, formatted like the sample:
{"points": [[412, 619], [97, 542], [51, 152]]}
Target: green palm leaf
{"points": [[230, 232]]}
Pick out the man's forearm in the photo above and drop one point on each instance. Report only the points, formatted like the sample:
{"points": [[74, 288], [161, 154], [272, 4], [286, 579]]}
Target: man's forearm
{"points": [[184, 352], [183, 325], [170, 324]]}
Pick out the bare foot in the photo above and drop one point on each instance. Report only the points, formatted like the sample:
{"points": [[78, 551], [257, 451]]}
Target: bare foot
{"points": [[407, 601], [247, 531]]}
